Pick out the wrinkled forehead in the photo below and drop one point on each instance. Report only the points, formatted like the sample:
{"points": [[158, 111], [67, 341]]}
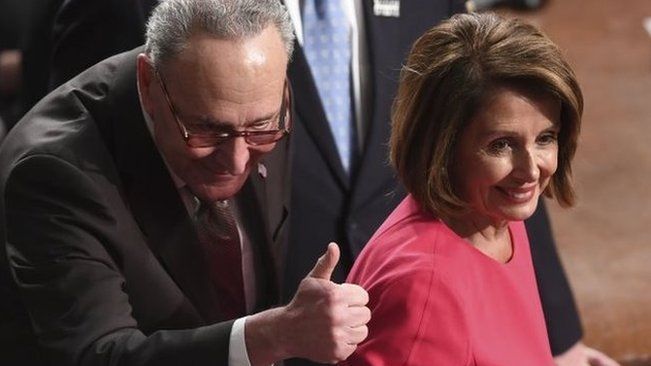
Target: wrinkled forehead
{"points": [[246, 56], [240, 72]]}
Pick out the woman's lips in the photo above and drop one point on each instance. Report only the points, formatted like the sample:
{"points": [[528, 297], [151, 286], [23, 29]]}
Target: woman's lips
{"points": [[519, 195]]}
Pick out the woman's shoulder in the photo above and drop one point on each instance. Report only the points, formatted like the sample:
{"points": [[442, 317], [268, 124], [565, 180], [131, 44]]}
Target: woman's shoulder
{"points": [[411, 281], [406, 244], [408, 256], [417, 316], [407, 213]]}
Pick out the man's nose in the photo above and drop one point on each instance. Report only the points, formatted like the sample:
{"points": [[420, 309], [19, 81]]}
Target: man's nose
{"points": [[235, 154]]}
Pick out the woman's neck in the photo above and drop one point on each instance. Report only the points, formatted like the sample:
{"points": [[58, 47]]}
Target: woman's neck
{"points": [[490, 237]]}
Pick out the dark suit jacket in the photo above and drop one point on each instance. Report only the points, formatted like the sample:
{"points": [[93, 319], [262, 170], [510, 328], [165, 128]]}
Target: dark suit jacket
{"points": [[327, 205], [103, 258]]}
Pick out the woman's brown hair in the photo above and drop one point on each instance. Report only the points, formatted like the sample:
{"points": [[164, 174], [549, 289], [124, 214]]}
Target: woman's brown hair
{"points": [[449, 73]]}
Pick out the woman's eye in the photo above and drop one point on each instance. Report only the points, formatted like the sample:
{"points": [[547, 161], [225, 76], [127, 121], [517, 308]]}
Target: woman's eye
{"points": [[499, 146], [548, 138]]}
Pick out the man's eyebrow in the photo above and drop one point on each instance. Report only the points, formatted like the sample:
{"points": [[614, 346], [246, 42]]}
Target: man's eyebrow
{"points": [[225, 124], [263, 118]]}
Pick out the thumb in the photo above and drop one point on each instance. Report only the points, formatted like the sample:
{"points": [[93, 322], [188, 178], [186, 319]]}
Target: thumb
{"points": [[326, 264]]}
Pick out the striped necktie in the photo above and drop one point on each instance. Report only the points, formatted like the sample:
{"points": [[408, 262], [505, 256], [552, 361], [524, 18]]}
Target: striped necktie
{"points": [[218, 234]]}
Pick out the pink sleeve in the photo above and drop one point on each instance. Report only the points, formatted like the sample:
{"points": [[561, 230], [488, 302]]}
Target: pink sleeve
{"points": [[416, 320]]}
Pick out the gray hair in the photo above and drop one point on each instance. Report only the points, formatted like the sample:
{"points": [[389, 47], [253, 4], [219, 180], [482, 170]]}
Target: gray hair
{"points": [[174, 21]]}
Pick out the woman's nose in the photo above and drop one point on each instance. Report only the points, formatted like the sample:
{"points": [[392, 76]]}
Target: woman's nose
{"points": [[526, 166]]}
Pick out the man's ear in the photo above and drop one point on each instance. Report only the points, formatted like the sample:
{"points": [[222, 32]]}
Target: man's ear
{"points": [[145, 73]]}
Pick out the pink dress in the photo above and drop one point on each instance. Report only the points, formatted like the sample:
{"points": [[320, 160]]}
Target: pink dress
{"points": [[437, 300]]}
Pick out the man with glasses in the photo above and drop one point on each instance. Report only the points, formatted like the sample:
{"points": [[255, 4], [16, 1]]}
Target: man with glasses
{"points": [[144, 207]]}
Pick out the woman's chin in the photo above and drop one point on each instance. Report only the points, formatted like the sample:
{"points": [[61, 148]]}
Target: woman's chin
{"points": [[519, 212]]}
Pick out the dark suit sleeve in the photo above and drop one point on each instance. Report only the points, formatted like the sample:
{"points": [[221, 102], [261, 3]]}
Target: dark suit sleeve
{"points": [[68, 280], [561, 316]]}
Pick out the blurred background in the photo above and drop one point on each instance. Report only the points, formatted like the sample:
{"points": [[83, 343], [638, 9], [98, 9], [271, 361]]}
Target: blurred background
{"points": [[605, 241]]}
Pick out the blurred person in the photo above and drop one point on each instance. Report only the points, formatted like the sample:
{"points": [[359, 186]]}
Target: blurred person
{"points": [[65, 37], [14, 16], [86, 32], [10, 69], [143, 199], [37, 54], [478, 135]]}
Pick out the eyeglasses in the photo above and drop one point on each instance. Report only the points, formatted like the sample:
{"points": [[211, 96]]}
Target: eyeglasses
{"points": [[265, 136]]}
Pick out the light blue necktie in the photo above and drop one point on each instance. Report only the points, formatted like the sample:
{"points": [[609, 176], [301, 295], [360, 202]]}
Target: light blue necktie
{"points": [[326, 43]]}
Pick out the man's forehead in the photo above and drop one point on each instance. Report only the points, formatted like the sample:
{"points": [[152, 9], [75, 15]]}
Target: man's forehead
{"points": [[258, 50], [250, 65], [233, 108], [228, 82]]}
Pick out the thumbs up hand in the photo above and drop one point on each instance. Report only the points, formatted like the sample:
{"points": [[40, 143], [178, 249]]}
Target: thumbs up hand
{"points": [[326, 264], [327, 320], [324, 322]]}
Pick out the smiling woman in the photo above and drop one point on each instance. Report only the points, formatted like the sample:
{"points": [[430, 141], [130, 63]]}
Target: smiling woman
{"points": [[503, 161], [486, 121]]}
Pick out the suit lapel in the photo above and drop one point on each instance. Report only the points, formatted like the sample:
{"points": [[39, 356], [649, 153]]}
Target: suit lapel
{"points": [[382, 36], [310, 113], [254, 225], [155, 201], [263, 204]]}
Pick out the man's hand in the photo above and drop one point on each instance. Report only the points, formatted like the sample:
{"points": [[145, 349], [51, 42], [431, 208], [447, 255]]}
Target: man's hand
{"points": [[324, 322], [582, 355]]}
